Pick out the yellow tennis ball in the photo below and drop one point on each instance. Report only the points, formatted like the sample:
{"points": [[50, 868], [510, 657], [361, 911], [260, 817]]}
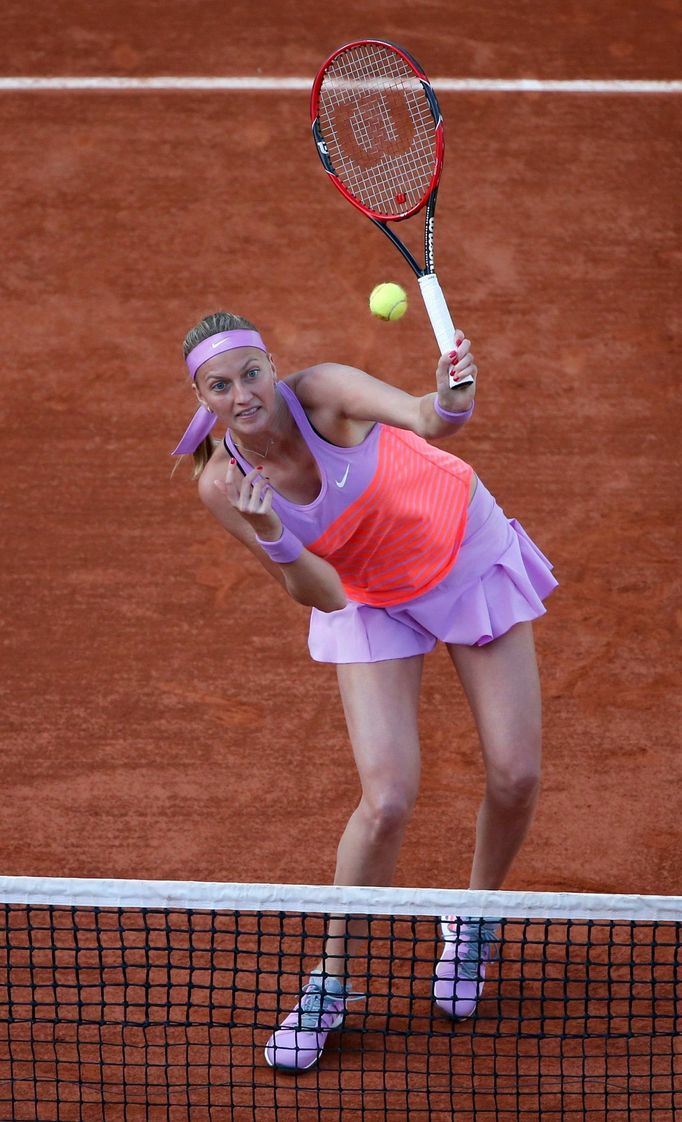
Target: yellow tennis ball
{"points": [[388, 301]]}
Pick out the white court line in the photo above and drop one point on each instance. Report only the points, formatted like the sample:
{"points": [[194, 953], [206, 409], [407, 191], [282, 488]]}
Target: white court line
{"points": [[255, 83]]}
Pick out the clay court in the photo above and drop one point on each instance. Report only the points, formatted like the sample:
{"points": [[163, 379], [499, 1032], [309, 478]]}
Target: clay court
{"points": [[161, 716]]}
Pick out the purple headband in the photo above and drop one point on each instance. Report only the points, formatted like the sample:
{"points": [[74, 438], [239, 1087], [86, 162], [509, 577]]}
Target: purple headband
{"points": [[203, 420]]}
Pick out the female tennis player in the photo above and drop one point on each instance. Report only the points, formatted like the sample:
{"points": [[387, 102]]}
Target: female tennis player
{"points": [[330, 479]]}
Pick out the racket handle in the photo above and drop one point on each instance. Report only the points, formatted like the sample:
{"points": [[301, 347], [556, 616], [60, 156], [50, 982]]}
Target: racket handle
{"points": [[441, 320]]}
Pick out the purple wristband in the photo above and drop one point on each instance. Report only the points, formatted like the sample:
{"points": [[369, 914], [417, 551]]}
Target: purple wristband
{"points": [[453, 418], [287, 548]]}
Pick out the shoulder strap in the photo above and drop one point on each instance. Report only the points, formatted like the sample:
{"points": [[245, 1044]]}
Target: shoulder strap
{"points": [[299, 413]]}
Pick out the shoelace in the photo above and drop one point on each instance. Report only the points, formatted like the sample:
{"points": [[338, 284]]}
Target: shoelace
{"points": [[472, 949], [315, 1003]]}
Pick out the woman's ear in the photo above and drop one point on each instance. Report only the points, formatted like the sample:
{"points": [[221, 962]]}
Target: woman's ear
{"points": [[199, 398]]}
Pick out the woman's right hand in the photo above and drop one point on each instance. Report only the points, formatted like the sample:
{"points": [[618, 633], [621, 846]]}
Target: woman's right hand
{"points": [[251, 495]]}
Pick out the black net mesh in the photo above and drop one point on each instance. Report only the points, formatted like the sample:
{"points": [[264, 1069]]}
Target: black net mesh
{"points": [[132, 1013]]}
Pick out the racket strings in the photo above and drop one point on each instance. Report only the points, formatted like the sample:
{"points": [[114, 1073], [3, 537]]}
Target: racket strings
{"points": [[379, 129]]}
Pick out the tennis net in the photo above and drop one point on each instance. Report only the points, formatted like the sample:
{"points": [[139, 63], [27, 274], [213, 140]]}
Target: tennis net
{"points": [[127, 1000]]}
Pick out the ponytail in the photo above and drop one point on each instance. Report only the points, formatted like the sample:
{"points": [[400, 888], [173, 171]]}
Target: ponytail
{"points": [[201, 455]]}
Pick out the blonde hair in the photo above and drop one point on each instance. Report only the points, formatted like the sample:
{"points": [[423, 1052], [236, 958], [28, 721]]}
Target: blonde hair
{"points": [[212, 324]]}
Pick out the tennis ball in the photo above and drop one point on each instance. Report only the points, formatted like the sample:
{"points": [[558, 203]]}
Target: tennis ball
{"points": [[388, 301]]}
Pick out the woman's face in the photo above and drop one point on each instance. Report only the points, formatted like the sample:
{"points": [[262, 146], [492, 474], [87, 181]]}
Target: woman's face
{"points": [[239, 387]]}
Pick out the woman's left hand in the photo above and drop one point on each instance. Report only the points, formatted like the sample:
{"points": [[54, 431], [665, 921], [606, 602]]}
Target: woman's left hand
{"points": [[459, 361]]}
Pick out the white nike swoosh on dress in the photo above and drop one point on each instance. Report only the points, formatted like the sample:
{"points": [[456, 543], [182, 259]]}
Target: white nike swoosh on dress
{"points": [[342, 482]]}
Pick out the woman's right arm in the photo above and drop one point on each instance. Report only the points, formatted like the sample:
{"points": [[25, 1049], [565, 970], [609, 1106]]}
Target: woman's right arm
{"points": [[308, 579]]}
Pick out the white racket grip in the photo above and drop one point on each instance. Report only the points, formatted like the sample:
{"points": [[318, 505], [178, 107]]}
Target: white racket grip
{"points": [[441, 320]]}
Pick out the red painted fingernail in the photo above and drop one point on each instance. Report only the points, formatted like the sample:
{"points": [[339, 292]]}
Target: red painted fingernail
{"points": [[259, 468], [453, 354], [232, 460]]}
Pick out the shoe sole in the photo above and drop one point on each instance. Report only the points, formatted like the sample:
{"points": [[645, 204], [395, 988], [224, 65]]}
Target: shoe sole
{"points": [[452, 1017], [304, 1067], [291, 1070]]}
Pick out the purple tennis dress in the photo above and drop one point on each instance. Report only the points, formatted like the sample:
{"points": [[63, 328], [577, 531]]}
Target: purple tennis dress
{"points": [[499, 576]]}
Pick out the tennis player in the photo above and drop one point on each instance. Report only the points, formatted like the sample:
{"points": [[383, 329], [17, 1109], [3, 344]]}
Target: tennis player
{"points": [[330, 478]]}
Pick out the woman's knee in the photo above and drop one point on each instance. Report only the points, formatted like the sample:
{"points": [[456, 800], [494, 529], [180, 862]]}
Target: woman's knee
{"points": [[514, 783], [387, 810]]}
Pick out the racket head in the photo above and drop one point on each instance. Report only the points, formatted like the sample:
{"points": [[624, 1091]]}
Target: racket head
{"points": [[378, 128]]}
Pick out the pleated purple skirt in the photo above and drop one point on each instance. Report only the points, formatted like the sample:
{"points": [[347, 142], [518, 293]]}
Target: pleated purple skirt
{"points": [[500, 578]]}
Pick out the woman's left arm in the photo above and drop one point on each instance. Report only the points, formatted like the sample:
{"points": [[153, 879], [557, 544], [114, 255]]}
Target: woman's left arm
{"points": [[354, 395]]}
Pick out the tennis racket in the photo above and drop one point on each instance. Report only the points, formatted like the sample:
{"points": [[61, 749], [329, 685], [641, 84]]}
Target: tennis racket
{"points": [[378, 130]]}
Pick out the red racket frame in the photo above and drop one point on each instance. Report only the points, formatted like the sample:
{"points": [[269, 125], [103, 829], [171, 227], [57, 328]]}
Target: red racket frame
{"points": [[433, 105]]}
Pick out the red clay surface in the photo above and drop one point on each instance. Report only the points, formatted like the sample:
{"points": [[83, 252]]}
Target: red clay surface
{"points": [[161, 717], [531, 38]]}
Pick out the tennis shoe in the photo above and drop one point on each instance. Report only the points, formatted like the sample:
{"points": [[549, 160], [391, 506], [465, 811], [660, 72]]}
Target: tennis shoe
{"points": [[300, 1039], [460, 973]]}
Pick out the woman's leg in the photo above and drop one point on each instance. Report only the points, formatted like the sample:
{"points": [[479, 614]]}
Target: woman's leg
{"points": [[380, 702], [502, 686]]}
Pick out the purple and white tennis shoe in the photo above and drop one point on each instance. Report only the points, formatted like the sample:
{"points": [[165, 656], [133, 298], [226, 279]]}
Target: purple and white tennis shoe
{"points": [[460, 972], [299, 1041]]}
